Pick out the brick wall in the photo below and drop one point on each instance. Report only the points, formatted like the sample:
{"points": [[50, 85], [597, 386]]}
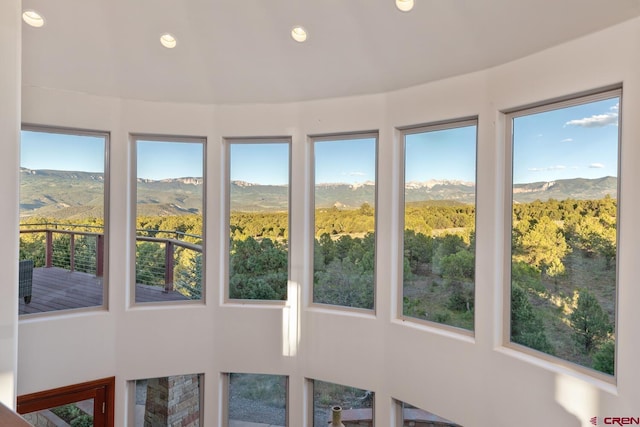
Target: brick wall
{"points": [[173, 401]]}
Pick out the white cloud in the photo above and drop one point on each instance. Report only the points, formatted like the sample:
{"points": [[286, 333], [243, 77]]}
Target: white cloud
{"points": [[596, 165], [550, 168], [615, 107], [357, 174], [597, 120], [567, 140]]}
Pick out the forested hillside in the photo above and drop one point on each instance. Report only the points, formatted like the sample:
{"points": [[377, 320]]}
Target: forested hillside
{"points": [[563, 269]]}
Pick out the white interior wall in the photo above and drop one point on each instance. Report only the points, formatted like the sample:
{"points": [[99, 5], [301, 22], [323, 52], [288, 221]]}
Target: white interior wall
{"points": [[10, 43], [474, 381]]}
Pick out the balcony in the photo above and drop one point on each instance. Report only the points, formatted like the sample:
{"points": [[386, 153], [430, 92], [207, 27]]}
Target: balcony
{"points": [[69, 268]]}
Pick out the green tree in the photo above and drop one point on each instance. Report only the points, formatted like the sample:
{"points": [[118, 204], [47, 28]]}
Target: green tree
{"points": [[458, 266], [418, 250], [150, 260], [543, 246], [449, 244], [526, 276], [526, 327], [344, 283], [596, 236], [258, 269], [605, 357], [188, 273], [590, 323]]}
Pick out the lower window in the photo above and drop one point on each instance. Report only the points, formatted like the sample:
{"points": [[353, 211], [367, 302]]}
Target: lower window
{"points": [[257, 398], [411, 416], [169, 401], [334, 402]]}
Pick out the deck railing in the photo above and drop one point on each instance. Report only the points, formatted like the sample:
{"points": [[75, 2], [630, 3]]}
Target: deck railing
{"points": [[71, 249], [80, 250]]}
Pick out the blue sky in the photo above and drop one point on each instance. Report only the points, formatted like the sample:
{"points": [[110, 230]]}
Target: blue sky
{"points": [[259, 163], [579, 141], [162, 160], [448, 154], [345, 161], [39, 150]]}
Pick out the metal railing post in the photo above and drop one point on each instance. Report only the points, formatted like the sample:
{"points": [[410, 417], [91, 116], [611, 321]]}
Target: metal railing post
{"points": [[168, 266], [49, 249], [72, 252], [100, 255]]}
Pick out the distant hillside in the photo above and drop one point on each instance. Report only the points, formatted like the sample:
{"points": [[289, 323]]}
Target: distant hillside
{"points": [[576, 188], [65, 194]]}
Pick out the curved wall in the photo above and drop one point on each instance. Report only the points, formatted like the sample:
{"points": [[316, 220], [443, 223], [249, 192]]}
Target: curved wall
{"points": [[10, 40], [475, 381]]}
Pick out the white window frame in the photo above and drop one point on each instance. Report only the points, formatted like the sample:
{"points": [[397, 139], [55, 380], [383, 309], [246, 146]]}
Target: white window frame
{"points": [[547, 360], [227, 142], [403, 133], [312, 139], [134, 139]]}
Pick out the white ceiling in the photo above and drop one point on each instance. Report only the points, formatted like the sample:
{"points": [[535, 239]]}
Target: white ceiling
{"points": [[232, 51]]}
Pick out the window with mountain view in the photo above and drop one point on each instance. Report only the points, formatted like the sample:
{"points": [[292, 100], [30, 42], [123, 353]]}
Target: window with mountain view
{"points": [[439, 223], [564, 228], [169, 220], [345, 221], [63, 176], [258, 219]]}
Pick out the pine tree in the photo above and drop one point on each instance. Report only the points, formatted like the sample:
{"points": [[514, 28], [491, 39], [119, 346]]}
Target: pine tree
{"points": [[590, 323]]}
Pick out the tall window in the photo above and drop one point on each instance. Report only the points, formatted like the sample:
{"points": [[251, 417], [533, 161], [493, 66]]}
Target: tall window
{"points": [[564, 228], [258, 219], [257, 400], [169, 219], [63, 200], [345, 220], [439, 223]]}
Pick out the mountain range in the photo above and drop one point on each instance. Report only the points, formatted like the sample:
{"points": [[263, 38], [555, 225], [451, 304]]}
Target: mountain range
{"points": [[73, 194]]}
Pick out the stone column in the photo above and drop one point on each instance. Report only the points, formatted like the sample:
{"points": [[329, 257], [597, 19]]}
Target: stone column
{"points": [[173, 401]]}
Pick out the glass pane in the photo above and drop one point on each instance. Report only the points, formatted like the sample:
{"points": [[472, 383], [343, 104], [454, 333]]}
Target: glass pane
{"points": [[169, 401], [255, 398], [62, 205], [439, 226], [345, 203], [169, 230], [413, 416], [78, 414], [355, 405], [259, 220], [563, 272]]}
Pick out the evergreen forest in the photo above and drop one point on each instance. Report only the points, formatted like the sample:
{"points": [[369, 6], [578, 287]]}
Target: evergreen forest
{"points": [[563, 267]]}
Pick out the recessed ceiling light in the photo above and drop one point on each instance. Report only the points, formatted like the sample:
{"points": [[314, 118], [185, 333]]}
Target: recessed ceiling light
{"points": [[299, 34], [168, 41], [404, 5], [33, 18]]}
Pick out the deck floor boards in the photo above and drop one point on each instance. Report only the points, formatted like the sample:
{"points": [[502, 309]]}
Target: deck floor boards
{"points": [[57, 289]]}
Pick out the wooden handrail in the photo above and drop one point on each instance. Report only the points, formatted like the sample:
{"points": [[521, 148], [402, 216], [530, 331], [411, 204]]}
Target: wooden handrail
{"points": [[9, 418], [170, 245]]}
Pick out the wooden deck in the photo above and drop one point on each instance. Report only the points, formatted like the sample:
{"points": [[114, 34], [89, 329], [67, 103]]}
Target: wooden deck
{"points": [[58, 289]]}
